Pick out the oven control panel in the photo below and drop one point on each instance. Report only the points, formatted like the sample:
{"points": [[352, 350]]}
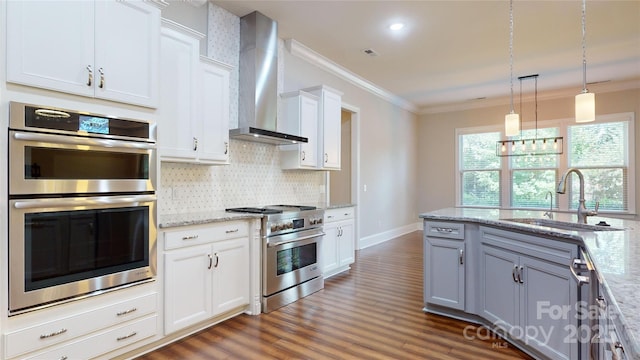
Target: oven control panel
{"points": [[284, 223]]}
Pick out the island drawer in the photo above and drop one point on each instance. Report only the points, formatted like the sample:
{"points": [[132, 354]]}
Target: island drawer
{"points": [[446, 230]]}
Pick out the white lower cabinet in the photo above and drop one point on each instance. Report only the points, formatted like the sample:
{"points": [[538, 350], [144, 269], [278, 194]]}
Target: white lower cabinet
{"points": [[338, 244], [206, 273], [528, 292], [93, 332], [444, 261]]}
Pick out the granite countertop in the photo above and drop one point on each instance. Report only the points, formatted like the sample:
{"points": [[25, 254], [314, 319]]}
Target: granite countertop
{"points": [[199, 218], [207, 217], [615, 255]]}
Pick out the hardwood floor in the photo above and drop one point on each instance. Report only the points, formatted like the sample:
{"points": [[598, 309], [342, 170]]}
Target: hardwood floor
{"points": [[372, 312]]}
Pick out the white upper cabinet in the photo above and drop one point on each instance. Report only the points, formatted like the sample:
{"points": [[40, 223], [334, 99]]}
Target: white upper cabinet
{"points": [[193, 122], [329, 125], [300, 117], [213, 111], [82, 48]]}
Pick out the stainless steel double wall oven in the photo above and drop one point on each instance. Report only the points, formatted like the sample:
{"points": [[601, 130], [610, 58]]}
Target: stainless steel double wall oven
{"points": [[81, 204]]}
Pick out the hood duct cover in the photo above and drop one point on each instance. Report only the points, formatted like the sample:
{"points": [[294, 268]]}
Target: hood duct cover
{"points": [[258, 101]]}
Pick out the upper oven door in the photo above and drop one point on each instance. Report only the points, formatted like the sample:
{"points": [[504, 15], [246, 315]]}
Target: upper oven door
{"points": [[58, 164]]}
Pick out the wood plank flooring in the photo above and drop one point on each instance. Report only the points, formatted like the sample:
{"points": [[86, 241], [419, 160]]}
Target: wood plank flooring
{"points": [[372, 312]]}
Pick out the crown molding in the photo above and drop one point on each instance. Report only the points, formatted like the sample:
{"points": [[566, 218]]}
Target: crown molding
{"points": [[597, 88], [297, 49]]}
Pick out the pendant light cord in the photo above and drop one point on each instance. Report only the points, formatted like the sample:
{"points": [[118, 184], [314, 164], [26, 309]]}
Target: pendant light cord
{"points": [[584, 51], [511, 50]]}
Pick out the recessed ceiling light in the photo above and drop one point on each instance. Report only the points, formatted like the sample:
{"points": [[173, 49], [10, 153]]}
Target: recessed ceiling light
{"points": [[396, 26]]}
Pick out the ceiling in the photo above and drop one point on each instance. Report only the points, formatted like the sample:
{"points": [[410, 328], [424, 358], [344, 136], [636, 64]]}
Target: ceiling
{"points": [[456, 52]]}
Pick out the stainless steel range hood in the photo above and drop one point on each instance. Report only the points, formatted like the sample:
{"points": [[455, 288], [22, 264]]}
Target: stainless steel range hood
{"points": [[257, 104]]}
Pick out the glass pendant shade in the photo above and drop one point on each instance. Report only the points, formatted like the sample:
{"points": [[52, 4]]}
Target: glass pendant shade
{"points": [[511, 124], [585, 107]]}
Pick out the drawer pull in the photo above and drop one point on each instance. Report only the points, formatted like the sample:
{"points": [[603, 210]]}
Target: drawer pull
{"points": [[232, 231], [55, 333], [127, 336], [190, 237], [444, 230], [126, 312], [63, 357]]}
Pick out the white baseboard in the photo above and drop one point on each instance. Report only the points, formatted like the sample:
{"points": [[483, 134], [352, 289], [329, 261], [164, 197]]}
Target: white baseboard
{"points": [[375, 239]]}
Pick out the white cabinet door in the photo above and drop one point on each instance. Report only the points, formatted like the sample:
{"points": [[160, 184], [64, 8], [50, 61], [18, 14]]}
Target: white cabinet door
{"points": [[329, 126], [445, 272], [346, 247], [500, 288], [81, 47], [309, 129], [179, 66], [230, 274], [329, 248], [188, 286], [126, 56], [213, 114], [50, 44], [300, 117], [331, 111]]}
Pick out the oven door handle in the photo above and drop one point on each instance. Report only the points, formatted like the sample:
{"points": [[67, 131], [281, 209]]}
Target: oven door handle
{"points": [[295, 239], [66, 202], [71, 140]]}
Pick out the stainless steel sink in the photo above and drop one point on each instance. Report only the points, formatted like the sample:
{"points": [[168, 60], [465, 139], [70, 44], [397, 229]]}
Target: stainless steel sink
{"points": [[563, 225]]}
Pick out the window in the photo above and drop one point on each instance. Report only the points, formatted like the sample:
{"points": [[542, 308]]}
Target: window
{"points": [[602, 150]]}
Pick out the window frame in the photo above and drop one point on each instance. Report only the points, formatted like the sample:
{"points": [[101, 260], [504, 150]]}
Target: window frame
{"points": [[561, 203]]}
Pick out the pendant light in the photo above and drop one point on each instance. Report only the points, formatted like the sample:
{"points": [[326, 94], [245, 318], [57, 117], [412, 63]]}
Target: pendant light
{"points": [[585, 101], [511, 120]]}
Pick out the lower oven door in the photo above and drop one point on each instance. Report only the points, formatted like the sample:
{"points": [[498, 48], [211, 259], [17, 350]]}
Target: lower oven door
{"points": [[61, 248], [291, 259]]}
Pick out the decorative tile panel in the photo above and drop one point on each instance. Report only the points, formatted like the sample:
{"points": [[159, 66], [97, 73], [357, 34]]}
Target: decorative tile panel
{"points": [[253, 178]]}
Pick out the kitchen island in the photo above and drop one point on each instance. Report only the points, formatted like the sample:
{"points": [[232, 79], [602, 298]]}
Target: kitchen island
{"points": [[612, 250]]}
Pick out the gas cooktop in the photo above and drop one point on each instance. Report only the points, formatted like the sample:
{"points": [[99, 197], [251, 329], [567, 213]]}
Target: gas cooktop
{"points": [[272, 209]]}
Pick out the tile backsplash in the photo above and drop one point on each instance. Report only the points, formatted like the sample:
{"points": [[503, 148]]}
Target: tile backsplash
{"points": [[252, 178]]}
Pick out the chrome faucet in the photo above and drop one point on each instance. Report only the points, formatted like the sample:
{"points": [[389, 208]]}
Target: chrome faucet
{"points": [[582, 210], [549, 213]]}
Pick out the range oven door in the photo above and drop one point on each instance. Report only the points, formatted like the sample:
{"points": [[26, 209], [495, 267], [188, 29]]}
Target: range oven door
{"points": [[291, 259], [60, 164], [62, 248]]}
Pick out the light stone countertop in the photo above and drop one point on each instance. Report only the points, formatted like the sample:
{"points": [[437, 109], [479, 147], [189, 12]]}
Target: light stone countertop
{"points": [[615, 255], [207, 217]]}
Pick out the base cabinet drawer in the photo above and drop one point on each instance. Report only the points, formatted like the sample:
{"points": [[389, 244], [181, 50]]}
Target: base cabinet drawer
{"points": [[103, 342], [75, 326]]}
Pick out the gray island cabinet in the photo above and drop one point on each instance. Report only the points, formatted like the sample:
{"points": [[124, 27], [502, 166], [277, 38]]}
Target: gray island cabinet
{"points": [[520, 280]]}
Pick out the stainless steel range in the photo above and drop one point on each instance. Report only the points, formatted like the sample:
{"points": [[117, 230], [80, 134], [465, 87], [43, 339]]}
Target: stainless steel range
{"points": [[290, 252]]}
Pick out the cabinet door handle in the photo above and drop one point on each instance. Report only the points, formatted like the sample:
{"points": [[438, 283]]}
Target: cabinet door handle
{"points": [[210, 262], [217, 260], [513, 273], [125, 312], [63, 357], [461, 256], [101, 71], [55, 333], [304, 156], [226, 147], [520, 272], [195, 144], [90, 79], [127, 336], [577, 264], [326, 158]]}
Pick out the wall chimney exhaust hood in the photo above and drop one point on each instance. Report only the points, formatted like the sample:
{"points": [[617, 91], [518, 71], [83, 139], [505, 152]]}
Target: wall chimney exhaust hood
{"points": [[258, 100]]}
